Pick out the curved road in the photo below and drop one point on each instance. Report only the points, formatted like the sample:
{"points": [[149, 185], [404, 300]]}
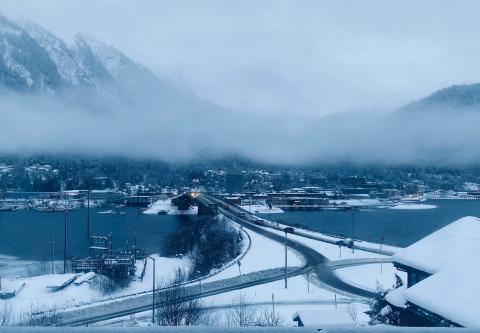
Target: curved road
{"points": [[314, 262], [313, 259]]}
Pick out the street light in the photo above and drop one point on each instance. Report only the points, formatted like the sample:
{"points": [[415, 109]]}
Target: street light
{"points": [[153, 290], [65, 241], [287, 230], [200, 281]]}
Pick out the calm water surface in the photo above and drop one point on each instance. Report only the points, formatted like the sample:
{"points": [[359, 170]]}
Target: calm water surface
{"points": [[399, 227], [27, 234]]}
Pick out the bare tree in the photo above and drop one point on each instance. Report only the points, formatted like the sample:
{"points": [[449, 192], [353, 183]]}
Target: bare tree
{"points": [[5, 315], [242, 313], [269, 318], [353, 312], [176, 304]]}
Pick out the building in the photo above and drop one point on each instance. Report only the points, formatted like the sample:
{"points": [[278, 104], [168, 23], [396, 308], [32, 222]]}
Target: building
{"points": [[443, 270]]}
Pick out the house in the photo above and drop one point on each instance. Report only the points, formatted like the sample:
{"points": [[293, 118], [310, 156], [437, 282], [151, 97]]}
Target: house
{"points": [[443, 270]]}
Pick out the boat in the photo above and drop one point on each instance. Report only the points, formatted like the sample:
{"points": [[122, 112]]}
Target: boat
{"points": [[48, 209], [6, 209], [110, 211], [162, 212]]}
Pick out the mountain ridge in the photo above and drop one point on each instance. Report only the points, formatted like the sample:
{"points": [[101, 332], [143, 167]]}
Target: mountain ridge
{"points": [[463, 97]]}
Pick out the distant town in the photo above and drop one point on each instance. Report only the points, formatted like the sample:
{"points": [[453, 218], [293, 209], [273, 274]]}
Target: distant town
{"points": [[59, 184]]}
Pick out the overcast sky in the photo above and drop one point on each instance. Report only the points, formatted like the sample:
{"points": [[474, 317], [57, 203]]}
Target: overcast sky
{"points": [[314, 57]]}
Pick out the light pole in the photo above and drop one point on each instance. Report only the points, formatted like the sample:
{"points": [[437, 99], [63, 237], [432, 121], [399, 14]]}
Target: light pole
{"points": [[53, 254], [88, 211], [153, 290], [308, 283], [287, 230], [65, 242], [353, 231], [200, 282]]}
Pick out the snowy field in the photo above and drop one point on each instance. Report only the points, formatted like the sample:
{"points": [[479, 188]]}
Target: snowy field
{"points": [[263, 254], [261, 209], [37, 296], [300, 296]]}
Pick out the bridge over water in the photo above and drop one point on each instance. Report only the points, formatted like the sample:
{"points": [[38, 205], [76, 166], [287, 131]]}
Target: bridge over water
{"points": [[185, 200]]}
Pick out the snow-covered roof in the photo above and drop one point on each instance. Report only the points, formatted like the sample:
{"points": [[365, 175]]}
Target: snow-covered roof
{"points": [[450, 255], [444, 247], [452, 293]]}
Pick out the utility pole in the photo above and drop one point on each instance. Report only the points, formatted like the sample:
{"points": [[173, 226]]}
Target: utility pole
{"points": [[200, 282], [286, 244], [308, 283], [88, 211], [65, 242], [153, 290], [273, 303], [135, 247], [286, 230], [53, 254], [381, 263], [353, 231]]}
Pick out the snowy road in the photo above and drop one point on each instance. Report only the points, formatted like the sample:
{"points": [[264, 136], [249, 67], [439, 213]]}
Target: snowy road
{"points": [[122, 307], [313, 259], [313, 262]]}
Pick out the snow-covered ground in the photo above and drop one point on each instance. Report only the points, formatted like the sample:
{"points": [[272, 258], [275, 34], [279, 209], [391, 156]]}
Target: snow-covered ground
{"points": [[412, 206], [369, 276], [35, 295], [167, 206], [263, 254], [331, 251], [299, 296], [261, 209]]}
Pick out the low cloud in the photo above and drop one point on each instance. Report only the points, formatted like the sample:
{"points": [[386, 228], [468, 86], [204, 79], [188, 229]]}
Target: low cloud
{"points": [[147, 129]]}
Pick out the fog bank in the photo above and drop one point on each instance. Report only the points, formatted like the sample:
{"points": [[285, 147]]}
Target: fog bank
{"points": [[44, 124]]}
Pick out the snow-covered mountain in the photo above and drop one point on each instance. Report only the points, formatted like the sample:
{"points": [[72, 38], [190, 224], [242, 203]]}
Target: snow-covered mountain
{"points": [[24, 63], [34, 59]]}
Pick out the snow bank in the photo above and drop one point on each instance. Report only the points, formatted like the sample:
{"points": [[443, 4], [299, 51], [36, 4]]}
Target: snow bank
{"points": [[369, 276], [256, 259], [408, 206], [37, 295], [261, 209]]}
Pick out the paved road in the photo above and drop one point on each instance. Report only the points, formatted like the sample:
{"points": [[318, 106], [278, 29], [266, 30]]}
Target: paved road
{"points": [[313, 259], [126, 306]]}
